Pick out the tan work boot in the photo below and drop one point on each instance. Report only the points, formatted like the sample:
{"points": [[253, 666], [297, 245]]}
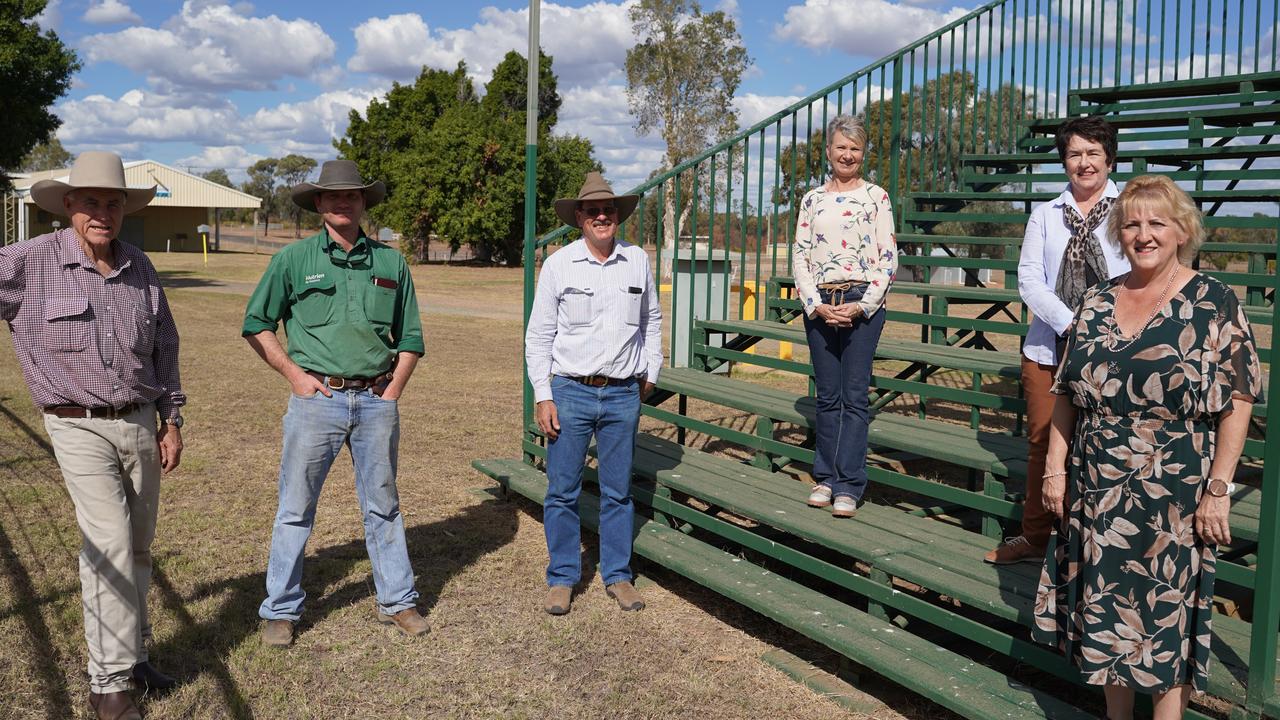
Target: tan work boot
{"points": [[1015, 550], [114, 706], [277, 633], [626, 595], [559, 597], [409, 620]]}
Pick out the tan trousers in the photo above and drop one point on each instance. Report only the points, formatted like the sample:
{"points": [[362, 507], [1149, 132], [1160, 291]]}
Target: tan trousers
{"points": [[1036, 381], [112, 471]]}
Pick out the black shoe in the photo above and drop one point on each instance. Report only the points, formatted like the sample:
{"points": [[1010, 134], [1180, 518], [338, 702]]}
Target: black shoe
{"points": [[150, 679]]}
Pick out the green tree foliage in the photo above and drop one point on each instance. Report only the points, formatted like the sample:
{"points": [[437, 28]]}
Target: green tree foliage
{"points": [[454, 162], [48, 155], [218, 175], [681, 78], [262, 184], [35, 70], [292, 170]]}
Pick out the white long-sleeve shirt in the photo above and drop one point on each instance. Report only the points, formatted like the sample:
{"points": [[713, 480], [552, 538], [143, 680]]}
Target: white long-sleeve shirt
{"points": [[1038, 266], [594, 318]]}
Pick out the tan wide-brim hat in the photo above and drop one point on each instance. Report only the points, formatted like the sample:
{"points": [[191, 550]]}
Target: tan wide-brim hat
{"points": [[338, 175], [595, 188], [95, 169]]}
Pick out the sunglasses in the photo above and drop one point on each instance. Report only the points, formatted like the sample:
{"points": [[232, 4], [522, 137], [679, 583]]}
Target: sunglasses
{"points": [[596, 211]]}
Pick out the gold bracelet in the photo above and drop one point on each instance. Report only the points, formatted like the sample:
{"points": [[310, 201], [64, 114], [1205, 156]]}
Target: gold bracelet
{"points": [[1046, 476]]}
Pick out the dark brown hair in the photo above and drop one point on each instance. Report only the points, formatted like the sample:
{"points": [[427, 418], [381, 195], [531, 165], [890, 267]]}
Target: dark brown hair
{"points": [[1089, 127]]}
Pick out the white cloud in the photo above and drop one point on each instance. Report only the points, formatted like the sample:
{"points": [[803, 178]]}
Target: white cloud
{"points": [[398, 46], [211, 46], [753, 108], [228, 157], [310, 124], [50, 18], [141, 116], [864, 28], [110, 12]]}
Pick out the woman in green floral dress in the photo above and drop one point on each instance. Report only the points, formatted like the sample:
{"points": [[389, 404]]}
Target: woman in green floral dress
{"points": [[1157, 385]]}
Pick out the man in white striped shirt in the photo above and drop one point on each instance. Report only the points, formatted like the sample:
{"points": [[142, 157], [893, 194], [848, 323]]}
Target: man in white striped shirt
{"points": [[594, 350]]}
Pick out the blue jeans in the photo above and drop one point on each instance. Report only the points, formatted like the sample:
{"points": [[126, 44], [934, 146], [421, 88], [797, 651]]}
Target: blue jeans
{"points": [[842, 360], [612, 414], [315, 429]]}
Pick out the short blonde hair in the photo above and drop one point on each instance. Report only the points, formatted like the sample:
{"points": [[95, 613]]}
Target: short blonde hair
{"points": [[849, 125], [1159, 192]]}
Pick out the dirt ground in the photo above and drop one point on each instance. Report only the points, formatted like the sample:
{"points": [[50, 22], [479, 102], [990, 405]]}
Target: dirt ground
{"points": [[492, 652]]}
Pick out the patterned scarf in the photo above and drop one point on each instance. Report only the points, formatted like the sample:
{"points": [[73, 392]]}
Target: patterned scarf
{"points": [[1083, 264]]}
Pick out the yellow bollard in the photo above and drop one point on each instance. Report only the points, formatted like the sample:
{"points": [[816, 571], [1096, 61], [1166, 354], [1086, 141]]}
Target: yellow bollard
{"points": [[204, 241]]}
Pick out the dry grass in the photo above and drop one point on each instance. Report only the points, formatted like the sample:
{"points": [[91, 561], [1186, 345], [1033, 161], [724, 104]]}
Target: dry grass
{"points": [[492, 651]]}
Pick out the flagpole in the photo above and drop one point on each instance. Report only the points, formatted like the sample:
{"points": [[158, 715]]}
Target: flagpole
{"points": [[530, 188]]}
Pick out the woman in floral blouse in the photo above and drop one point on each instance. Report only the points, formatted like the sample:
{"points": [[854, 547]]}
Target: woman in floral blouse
{"points": [[845, 258], [1156, 385]]}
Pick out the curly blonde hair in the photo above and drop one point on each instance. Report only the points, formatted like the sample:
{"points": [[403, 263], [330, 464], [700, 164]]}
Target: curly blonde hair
{"points": [[1159, 192]]}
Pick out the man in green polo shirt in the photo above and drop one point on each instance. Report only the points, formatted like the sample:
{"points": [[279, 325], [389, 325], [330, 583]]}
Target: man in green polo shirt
{"points": [[351, 318]]}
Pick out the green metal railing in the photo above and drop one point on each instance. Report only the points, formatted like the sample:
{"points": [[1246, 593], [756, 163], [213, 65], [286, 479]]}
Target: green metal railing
{"points": [[972, 87]]}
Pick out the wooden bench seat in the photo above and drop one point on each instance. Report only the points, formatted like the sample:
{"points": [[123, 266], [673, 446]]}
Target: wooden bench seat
{"points": [[1182, 88], [1221, 117], [953, 681]]}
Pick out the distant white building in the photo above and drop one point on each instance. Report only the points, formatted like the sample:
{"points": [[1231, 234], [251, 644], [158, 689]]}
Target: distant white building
{"points": [[182, 203]]}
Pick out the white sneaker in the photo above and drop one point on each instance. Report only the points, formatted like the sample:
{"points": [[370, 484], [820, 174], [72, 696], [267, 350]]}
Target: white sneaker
{"points": [[844, 506], [820, 497]]}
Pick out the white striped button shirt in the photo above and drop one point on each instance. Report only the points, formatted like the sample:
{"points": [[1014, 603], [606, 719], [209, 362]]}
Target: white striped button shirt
{"points": [[588, 319]]}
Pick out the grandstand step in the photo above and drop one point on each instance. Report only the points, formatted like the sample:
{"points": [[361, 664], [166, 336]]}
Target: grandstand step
{"points": [[1180, 88], [987, 362], [957, 444], [914, 215], [960, 198], [1221, 117], [1209, 134], [950, 292], [970, 176], [1153, 156], [951, 680]]}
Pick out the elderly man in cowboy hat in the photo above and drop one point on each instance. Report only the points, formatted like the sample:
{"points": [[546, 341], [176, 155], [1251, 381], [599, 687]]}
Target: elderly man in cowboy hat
{"points": [[99, 352], [351, 317], [593, 349]]}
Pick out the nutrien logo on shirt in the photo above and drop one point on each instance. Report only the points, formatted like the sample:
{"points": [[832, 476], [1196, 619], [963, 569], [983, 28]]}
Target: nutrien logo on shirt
{"points": [[314, 278]]}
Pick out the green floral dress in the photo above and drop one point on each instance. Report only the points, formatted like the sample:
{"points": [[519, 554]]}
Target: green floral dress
{"points": [[1127, 587]]}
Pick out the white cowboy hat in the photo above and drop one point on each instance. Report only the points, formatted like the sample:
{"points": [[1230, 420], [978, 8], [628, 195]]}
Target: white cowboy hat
{"points": [[96, 169], [338, 175], [595, 188]]}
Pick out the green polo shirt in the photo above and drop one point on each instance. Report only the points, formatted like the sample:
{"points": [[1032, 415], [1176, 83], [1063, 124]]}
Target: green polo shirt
{"points": [[344, 314]]}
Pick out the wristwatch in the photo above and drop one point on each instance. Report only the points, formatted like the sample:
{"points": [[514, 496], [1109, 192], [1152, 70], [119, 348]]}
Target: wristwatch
{"points": [[1220, 488], [174, 421]]}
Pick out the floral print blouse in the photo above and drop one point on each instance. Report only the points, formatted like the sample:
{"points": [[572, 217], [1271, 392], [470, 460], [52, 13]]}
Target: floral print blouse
{"points": [[843, 236]]}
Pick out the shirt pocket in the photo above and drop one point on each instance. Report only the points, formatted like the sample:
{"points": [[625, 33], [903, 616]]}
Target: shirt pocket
{"points": [[66, 324], [145, 327], [380, 304], [577, 306], [315, 302], [632, 304]]}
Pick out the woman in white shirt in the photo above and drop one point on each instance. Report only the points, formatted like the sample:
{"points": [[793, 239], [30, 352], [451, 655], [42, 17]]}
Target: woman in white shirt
{"points": [[845, 259], [1063, 255]]}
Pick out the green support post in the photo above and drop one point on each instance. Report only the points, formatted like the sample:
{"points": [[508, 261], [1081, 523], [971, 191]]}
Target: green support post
{"points": [[530, 200]]}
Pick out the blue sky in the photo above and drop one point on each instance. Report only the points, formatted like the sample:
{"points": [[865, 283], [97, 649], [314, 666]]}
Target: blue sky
{"points": [[209, 83]]}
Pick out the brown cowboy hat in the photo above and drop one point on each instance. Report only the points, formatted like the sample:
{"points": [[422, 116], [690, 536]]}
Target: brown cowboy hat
{"points": [[595, 188], [338, 175], [93, 169]]}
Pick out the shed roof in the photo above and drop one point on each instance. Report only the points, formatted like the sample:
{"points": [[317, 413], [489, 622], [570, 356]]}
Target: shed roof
{"points": [[175, 188]]}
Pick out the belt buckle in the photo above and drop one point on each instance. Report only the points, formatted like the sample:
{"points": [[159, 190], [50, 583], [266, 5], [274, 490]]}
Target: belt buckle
{"points": [[596, 381], [342, 382]]}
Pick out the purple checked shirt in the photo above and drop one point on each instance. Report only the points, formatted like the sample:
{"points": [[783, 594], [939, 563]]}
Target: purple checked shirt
{"points": [[84, 339]]}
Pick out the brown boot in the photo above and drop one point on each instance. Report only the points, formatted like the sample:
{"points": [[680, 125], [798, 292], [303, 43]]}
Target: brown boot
{"points": [[559, 597], [1015, 550], [409, 620], [114, 706], [277, 633], [626, 595]]}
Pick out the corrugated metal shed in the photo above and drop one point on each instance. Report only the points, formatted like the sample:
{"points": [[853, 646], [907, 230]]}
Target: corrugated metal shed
{"points": [[175, 188]]}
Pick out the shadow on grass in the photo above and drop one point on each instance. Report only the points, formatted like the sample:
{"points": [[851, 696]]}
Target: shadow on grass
{"points": [[173, 279], [438, 551]]}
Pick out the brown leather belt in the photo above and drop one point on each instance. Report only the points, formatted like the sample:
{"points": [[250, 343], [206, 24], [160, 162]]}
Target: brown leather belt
{"points": [[334, 382], [78, 411], [598, 380]]}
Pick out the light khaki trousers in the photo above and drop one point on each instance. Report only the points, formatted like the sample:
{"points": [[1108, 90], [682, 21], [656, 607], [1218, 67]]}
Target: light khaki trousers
{"points": [[112, 471]]}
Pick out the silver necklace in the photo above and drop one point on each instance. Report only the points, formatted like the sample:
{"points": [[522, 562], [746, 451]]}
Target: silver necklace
{"points": [[1159, 303]]}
